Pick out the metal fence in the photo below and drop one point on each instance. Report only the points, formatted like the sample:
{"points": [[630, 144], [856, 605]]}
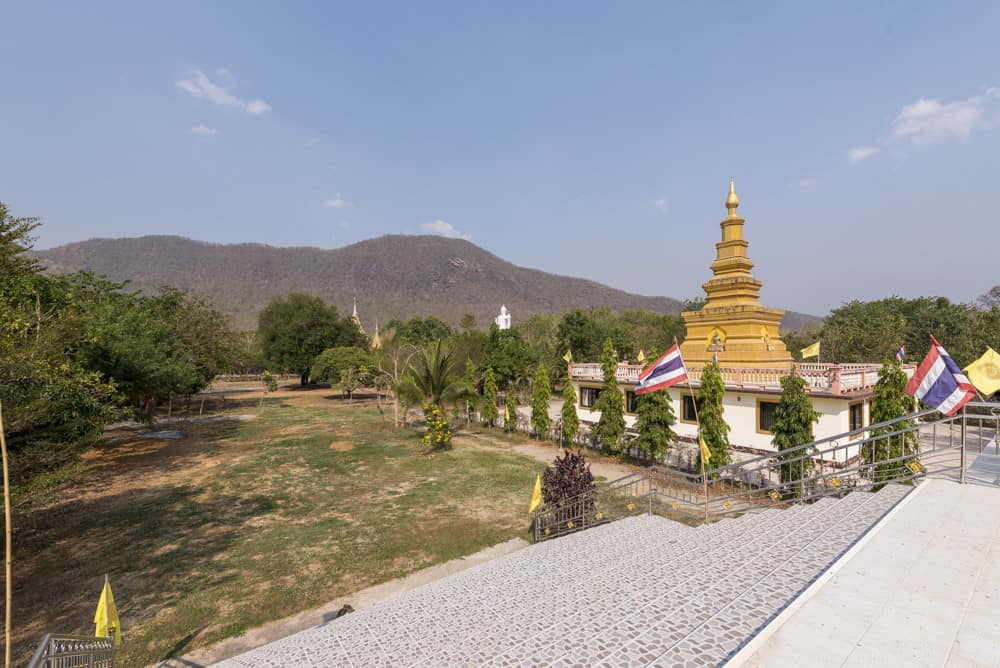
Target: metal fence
{"points": [[897, 451], [66, 651]]}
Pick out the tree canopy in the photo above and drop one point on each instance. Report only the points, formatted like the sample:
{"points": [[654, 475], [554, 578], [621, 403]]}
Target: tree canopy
{"points": [[293, 330]]}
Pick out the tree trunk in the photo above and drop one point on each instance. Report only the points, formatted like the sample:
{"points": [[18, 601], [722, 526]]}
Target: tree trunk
{"points": [[304, 379]]}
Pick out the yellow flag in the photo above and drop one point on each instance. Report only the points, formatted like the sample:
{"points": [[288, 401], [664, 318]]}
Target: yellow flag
{"points": [[106, 617], [568, 356], [506, 412], [811, 351], [536, 496], [706, 454], [641, 357], [984, 373]]}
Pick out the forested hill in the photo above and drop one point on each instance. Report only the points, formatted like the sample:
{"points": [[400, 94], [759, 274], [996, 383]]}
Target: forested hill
{"points": [[392, 276]]}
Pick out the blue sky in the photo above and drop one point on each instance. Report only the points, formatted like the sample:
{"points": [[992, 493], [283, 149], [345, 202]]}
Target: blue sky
{"points": [[590, 139]]}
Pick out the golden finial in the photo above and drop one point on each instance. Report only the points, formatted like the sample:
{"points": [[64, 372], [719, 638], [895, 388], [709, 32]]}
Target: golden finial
{"points": [[732, 201]]}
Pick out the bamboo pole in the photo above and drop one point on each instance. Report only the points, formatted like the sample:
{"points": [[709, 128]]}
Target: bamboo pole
{"points": [[7, 550]]}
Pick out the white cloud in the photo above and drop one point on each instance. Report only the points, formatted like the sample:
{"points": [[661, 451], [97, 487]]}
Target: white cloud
{"points": [[807, 182], [200, 87], [204, 131], [661, 205], [443, 229], [336, 202], [925, 121], [930, 119], [856, 155]]}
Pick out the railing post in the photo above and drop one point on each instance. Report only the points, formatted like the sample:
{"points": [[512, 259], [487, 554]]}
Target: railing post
{"points": [[962, 474]]}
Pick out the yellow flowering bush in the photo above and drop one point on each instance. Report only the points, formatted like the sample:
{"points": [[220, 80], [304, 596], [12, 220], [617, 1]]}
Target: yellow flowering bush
{"points": [[438, 434]]}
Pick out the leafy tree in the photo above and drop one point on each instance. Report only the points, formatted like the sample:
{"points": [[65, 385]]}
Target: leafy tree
{"points": [[651, 332], [583, 331], [655, 420], [490, 412], [510, 411], [538, 332], [507, 354], [611, 403], [419, 331], [793, 420], [331, 364], [540, 395], [570, 420], [471, 390], [468, 322], [352, 379], [268, 384], [714, 429], [392, 362], [694, 304], [890, 402], [295, 329]]}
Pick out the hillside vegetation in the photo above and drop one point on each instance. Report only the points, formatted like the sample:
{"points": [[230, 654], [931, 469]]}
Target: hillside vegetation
{"points": [[394, 276]]}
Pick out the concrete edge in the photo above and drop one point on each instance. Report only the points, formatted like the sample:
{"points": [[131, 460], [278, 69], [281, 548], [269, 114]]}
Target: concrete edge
{"points": [[359, 600], [775, 624]]}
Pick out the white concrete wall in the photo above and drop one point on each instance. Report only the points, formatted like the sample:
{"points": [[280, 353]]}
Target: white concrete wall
{"points": [[740, 413]]}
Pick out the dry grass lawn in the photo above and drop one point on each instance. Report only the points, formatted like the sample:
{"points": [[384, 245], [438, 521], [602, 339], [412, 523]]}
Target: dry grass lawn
{"points": [[243, 522]]}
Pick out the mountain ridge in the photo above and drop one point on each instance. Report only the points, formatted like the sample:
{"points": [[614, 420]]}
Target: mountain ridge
{"points": [[391, 276]]}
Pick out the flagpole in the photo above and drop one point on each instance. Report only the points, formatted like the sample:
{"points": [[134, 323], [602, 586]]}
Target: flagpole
{"points": [[7, 555], [694, 403]]}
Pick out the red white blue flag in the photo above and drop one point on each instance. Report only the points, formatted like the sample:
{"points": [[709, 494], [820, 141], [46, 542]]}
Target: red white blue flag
{"points": [[939, 383], [667, 370], [901, 353]]}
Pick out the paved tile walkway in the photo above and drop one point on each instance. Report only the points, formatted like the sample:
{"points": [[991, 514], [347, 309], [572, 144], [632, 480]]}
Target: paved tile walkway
{"points": [[923, 591], [644, 591]]}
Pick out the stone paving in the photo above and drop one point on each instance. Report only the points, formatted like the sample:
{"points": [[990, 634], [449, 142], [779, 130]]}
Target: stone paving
{"points": [[643, 591]]}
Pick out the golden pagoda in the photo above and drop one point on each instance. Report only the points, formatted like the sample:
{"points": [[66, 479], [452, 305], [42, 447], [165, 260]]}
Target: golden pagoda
{"points": [[733, 324]]}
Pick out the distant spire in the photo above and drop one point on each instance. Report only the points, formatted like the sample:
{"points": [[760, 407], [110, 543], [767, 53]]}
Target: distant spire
{"points": [[355, 313], [732, 201]]}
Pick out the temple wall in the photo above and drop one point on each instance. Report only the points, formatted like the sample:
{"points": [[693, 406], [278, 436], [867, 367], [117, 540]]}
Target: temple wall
{"points": [[740, 413]]}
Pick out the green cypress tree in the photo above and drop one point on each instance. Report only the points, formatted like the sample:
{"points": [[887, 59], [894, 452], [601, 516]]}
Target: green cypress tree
{"points": [[471, 392], [570, 420], [540, 395], [510, 411], [490, 412], [655, 421], [890, 402], [611, 425], [793, 420], [714, 429]]}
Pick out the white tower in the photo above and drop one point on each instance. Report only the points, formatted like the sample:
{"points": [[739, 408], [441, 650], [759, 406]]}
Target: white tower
{"points": [[503, 320]]}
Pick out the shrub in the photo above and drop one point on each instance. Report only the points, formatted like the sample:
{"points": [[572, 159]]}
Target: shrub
{"points": [[569, 476], [438, 434]]}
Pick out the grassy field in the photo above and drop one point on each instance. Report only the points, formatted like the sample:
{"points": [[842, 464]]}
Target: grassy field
{"points": [[243, 522]]}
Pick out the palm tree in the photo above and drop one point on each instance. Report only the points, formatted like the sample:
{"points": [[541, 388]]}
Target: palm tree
{"points": [[432, 378]]}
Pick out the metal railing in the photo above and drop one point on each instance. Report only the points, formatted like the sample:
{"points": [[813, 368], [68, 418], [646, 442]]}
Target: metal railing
{"points": [[58, 650], [896, 451]]}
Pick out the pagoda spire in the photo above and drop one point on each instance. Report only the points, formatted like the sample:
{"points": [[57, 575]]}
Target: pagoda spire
{"points": [[732, 201], [733, 326]]}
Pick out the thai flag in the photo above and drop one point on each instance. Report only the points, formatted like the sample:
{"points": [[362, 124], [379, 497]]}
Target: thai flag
{"points": [[667, 370], [901, 353], [939, 383]]}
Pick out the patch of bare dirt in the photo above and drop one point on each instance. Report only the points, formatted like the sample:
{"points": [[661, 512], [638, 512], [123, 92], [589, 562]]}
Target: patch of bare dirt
{"points": [[342, 446]]}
